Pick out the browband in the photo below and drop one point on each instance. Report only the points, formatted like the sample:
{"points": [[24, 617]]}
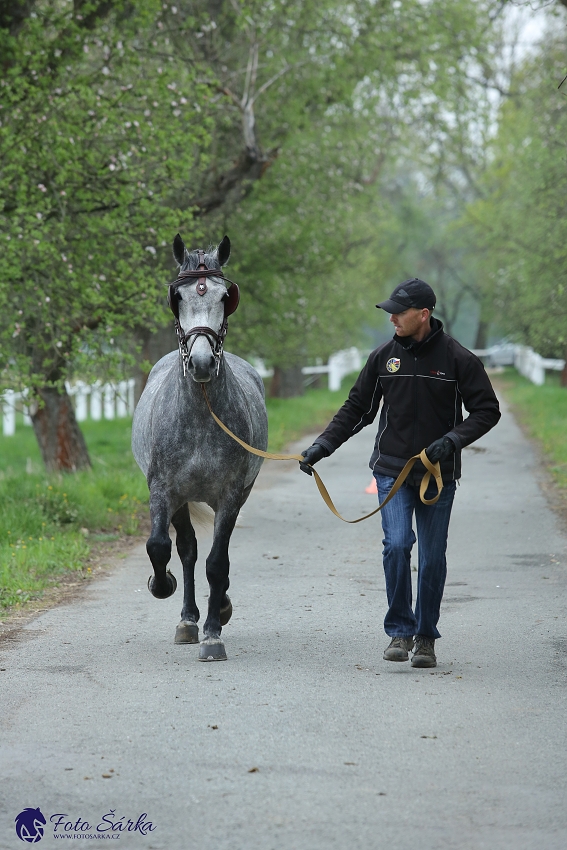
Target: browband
{"points": [[201, 273]]}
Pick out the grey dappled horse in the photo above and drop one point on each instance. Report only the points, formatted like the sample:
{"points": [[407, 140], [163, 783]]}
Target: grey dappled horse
{"points": [[181, 450]]}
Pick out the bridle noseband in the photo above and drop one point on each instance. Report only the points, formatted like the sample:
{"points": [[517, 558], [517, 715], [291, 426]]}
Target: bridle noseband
{"points": [[216, 340]]}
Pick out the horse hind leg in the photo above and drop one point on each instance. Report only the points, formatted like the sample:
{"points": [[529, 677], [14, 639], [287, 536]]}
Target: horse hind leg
{"points": [[187, 631], [226, 604], [163, 583]]}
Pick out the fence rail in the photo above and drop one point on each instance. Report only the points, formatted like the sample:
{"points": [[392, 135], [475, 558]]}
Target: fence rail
{"points": [[94, 401], [528, 362], [340, 364], [115, 401]]}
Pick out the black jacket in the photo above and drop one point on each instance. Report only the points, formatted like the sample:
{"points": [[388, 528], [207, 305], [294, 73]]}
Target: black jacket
{"points": [[423, 387]]}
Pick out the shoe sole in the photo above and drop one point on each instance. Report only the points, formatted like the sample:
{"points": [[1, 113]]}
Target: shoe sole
{"points": [[423, 661], [387, 658]]}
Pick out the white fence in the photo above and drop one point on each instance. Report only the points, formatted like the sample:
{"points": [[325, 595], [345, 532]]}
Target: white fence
{"points": [[110, 401], [533, 365], [340, 364], [528, 362], [94, 401]]}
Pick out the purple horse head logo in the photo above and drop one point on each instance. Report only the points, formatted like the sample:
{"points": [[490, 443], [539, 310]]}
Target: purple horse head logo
{"points": [[29, 825]]}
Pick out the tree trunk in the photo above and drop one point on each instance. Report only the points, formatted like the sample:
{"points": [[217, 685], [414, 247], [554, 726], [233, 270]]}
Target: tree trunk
{"points": [[287, 382], [563, 379], [59, 437], [154, 345], [481, 334]]}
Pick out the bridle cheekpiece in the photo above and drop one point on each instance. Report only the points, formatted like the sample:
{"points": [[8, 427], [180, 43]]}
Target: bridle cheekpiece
{"points": [[215, 339]]}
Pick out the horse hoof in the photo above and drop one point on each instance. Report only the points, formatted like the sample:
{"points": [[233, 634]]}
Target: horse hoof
{"points": [[187, 632], [212, 649], [226, 612], [171, 586]]}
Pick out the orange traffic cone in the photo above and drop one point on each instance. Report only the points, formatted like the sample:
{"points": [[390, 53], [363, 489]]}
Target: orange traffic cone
{"points": [[372, 488]]}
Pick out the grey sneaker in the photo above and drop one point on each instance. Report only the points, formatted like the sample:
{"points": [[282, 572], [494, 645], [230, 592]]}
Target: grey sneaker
{"points": [[398, 649], [424, 655]]}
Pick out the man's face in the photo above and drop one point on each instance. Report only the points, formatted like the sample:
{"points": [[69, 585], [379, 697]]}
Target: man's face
{"points": [[411, 322]]}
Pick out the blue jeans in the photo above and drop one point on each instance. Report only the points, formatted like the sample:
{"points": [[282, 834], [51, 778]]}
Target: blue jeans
{"points": [[432, 523]]}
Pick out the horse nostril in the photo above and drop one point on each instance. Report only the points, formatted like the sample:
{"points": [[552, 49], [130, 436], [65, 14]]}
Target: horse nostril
{"points": [[201, 367]]}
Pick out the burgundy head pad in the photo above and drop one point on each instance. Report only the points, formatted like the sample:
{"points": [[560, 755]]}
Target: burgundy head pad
{"points": [[232, 299], [173, 300]]}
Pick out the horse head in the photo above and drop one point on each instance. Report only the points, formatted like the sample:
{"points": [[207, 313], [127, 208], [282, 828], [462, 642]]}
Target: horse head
{"points": [[201, 304]]}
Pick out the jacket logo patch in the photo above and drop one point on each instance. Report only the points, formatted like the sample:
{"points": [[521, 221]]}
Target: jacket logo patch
{"points": [[393, 364], [436, 372]]}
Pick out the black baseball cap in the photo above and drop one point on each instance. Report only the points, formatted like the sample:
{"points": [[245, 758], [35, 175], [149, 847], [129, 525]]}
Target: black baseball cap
{"points": [[410, 293]]}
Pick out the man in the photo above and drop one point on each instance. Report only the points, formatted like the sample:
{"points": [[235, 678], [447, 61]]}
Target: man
{"points": [[423, 377]]}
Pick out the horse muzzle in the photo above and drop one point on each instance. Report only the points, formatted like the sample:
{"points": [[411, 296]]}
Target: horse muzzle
{"points": [[202, 366], [201, 351]]}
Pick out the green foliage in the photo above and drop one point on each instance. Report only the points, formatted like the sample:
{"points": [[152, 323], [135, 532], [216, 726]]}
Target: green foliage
{"points": [[123, 123], [328, 227], [520, 223], [310, 276], [98, 139]]}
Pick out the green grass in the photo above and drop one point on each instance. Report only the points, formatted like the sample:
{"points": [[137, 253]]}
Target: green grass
{"points": [[543, 412], [47, 522], [290, 418]]}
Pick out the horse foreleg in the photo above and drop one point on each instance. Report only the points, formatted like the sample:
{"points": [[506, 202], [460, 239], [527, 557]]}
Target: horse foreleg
{"points": [[163, 583], [220, 608], [187, 631]]}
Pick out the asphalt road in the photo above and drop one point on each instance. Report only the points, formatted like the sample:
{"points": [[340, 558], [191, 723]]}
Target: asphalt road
{"points": [[305, 739]]}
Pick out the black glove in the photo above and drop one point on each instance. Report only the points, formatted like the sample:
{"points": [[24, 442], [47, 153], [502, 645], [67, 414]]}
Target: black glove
{"points": [[440, 450], [312, 455]]}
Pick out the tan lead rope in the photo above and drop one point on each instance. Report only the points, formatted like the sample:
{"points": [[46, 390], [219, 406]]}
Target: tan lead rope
{"points": [[433, 469]]}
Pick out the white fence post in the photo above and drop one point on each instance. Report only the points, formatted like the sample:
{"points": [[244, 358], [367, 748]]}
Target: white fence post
{"points": [[341, 364], [108, 390], [81, 401], [122, 400], [9, 414], [131, 395], [537, 372], [96, 402]]}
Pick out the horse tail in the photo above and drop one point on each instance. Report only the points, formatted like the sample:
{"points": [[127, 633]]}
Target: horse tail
{"points": [[201, 515]]}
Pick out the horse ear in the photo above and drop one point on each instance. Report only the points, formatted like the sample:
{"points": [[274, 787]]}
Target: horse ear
{"points": [[179, 250], [223, 251]]}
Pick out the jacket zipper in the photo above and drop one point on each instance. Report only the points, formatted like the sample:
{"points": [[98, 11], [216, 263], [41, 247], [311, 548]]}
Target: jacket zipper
{"points": [[415, 410]]}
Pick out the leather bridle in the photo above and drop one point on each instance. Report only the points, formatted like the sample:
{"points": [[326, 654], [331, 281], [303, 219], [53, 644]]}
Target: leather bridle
{"points": [[215, 339]]}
